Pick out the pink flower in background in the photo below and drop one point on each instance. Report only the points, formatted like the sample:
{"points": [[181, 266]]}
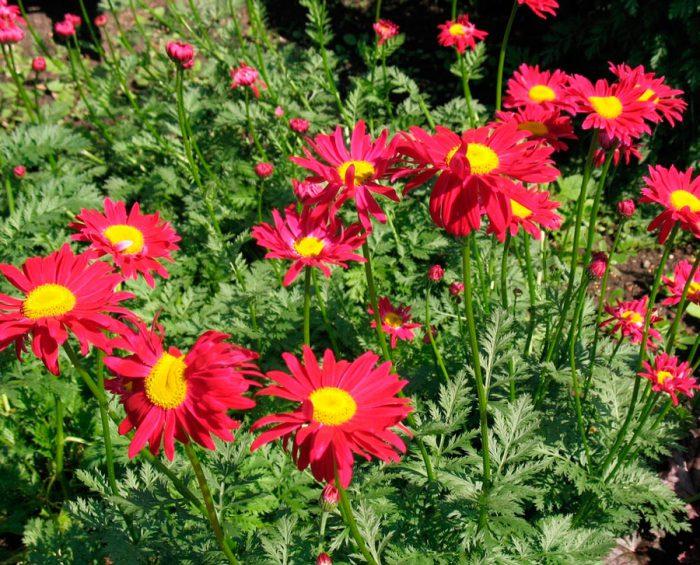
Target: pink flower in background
{"points": [[460, 34], [245, 76], [456, 288], [264, 170], [279, 112], [38, 64], [100, 20], [626, 208], [385, 30], [19, 171], [299, 125], [539, 7], [598, 265], [667, 375], [676, 284], [435, 273], [10, 21], [396, 321], [180, 53]]}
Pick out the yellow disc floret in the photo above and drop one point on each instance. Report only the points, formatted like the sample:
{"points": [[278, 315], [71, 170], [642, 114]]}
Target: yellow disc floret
{"points": [[364, 170], [535, 128], [608, 107], [519, 211], [661, 376], [457, 29], [333, 406], [48, 301], [393, 319], [166, 386], [482, 159], [309, 246], [633, 316], [541, 93], [127, 238], [647, 94], [683, 199]]}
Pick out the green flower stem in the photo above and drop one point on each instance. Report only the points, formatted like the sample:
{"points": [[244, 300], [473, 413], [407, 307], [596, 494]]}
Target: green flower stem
{"points": [[9, 194], [385, 78], [307, 306], [454, 9], [467, 92], [209, 503], [251, 129], [530, 273], [680, 309], [324, 315], [349, 519], [481, 281], [122, 34], [504, 272], [655, 424], [60, 443], [568, 295], [331, 82], [433, 344], [642, 350], [35, 36], [476, 363], [377, 10], [574, 377], [502, 55], [693, 350], [19, 83], [236, 24], [424, 109], [91, 29]]}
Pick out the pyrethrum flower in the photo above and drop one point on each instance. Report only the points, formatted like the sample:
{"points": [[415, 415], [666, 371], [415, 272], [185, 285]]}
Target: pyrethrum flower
{"points": [[385, 30], [170, 395], [299, 125], [351, 173], [135, 241], [38, 64], [245, 76], [541, 7], [460, 34], [668, 375], [598, 265], [62, 293], [615, 109], [396, 321], [666, 100], [10, 22], [626, 208], [676, 284], [345, 408], [621, 150], [264, 170], [68, 26], [627, 318], [679, 194], [181, 53], [532, 87], [542, 124], [530, 209], [309, 240]]}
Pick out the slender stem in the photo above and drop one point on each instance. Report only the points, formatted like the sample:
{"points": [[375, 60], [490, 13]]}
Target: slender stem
{"points": [[694, 349], [91, 29], [251, 128], [424, 109], [19, 83], [671, 335], [60, 442], [377, 10], [349, 519], [374, 303], [9, 194], [209, 503], [122, 34], [35, 36], [467, 92], [504, 271], [502, 55], [433, 344], [476, 364], [532, 292], [307, 306], [331, 81], [324, 315], [574, 379], [454, 9], [655, 424]]}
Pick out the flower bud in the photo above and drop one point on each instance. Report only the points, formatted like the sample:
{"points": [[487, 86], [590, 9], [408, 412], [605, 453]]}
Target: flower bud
{"points": [[38, 64], [329, 498], [264, 170], [385, 30], [299, 125], [181, 53], [100, 20], [435, 273], [279, 111], [598, 265], [456, 288], [324, 559], [626, 208], [19, 171]]}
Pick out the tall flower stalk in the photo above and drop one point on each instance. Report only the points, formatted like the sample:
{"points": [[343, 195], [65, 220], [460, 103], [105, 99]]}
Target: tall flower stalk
{"points": [[502, 55]]}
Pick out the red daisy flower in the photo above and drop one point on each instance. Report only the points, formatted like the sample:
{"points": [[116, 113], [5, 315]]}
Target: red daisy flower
{"points": [[62, 292], [168, 395], [676, 284], [542, 124], [679, 193], [532, 87], [665, 99], [668, 375], [460, 34], [245, 76], [529, 207], [345, 408], [628, 319], [10, 21], [309, 240], [134, 240], [351, 173], [385, 30], [541, 6], [396, 321], [615, 109]]}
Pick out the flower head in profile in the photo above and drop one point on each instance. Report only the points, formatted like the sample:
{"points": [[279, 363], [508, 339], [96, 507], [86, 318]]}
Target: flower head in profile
{"points": [[385, 30], [68, 27], [10, 22], [299, 125], [530, 209], [61, 293], [626, 208], [542, 124], [307, 191], [264, 170], [666, 100], [435, 273], [309, 239], [620, 150], [245, 76], [135, 241], [615, 109], [460, 34], [38, 64], [541, 7], [532, 87], [169, 395], [351, 173], [676, 284], [667, 374], [598, 265], [627, 319], [679, 194], [396, 321], [100, 20], [181, 53], [344, 409]]}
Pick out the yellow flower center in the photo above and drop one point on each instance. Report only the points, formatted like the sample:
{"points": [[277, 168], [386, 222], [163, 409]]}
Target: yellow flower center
{"points": [[308, 246], [535, 128], [633, 316], [646, 95], [694, 288], [541, 93], [661, 376], [608, 107], [393, 319], [683, 199], [519, 211], [451, 153], [364, 170], [128, 239], [482, 159], [333, 406], [166, 386], [457, 29], [48, 301]]}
